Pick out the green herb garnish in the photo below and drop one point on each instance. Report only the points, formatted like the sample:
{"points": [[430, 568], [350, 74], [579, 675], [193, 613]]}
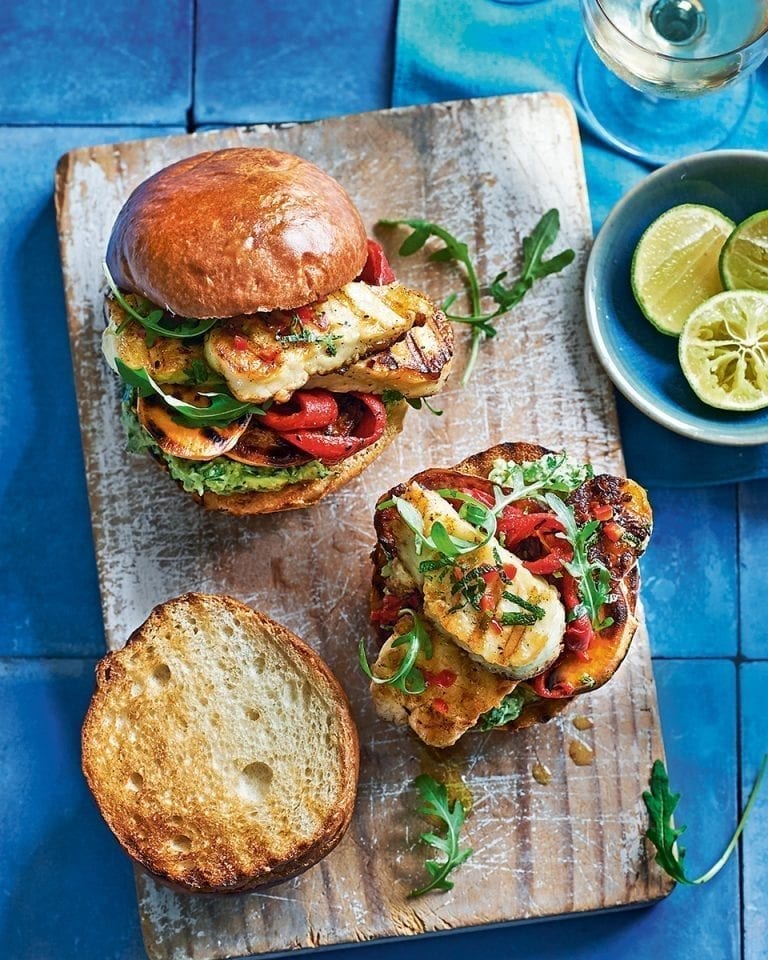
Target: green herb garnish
{"points": [[407, 678], [472, 587], [552, 473], [661, 803], [535, 267], [222, 410], [439, 539], [300, 334], [392, 396], [436, 804], [198, 372], [593, 577], [156, 322], [508, 710]]}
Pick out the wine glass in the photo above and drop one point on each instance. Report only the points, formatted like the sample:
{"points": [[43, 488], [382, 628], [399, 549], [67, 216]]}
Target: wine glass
{"points": [[659, 55]]}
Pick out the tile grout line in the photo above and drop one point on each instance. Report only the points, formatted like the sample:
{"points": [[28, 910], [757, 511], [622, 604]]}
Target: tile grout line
{"points": [[739, 743], [91, 125], [192, 72]]}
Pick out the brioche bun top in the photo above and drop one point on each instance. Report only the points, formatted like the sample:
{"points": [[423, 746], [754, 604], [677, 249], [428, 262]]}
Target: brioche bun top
{"points": [[237, 231]]}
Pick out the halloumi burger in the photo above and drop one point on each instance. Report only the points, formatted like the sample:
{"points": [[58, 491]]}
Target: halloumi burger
{"points": [[502, 588], [267, 350]]}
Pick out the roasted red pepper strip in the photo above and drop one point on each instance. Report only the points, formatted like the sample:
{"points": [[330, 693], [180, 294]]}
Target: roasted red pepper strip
{"points": [[482, 496], [519, 526], [307, 409], [579, 633], [578, 636], [446, 678], [560, 690], [377, 270], [331, 447], [551, 563], [389, 612]]}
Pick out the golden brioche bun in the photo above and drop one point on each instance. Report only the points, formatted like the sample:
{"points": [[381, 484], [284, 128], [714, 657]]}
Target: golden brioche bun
{"points": [[220, 748], [237, 231]]}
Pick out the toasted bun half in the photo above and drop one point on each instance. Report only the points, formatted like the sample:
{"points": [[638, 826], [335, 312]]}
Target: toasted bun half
{"points": [[220, 748], [237, 231], [298, 495]]}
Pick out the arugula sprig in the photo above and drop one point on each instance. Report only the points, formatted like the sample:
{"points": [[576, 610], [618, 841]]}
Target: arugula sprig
{"points": [[593, 577], [660, 803], [392, 396], [407, 678], [535, 267], [552, 473], [156, 323], [439, 540], [436, 804], [222, 410], [508, 710]]}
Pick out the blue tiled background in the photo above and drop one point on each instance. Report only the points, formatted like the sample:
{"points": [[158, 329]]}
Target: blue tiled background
{"points": [[73, 73]]}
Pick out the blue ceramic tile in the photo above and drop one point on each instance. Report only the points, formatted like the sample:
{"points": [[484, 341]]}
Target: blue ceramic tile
{"points": [[67, 889], [304, 60], [754, 743], [83, 61], [656, 457], [700, 923], [753, 551], [50, 597], [83, 907], [690, 577]]}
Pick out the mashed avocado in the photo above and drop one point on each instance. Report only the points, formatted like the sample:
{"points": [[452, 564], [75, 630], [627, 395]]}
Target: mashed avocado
{"points": [[222, 475]]}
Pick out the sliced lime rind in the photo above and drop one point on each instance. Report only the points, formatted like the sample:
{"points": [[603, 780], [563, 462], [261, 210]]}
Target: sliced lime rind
{"points": [[744, 258], [675, 267], [723, 351]]}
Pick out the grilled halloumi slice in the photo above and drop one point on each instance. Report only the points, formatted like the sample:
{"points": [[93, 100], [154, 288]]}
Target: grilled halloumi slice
{"points": [[168, 360], [357, 320], [518, 651], [417, 365], [444, 711]]}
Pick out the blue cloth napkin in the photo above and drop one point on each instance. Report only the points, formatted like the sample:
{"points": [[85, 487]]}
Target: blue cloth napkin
{"points": [[474, 48]]}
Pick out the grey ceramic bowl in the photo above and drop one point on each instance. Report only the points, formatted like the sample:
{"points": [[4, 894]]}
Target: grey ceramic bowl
{"points": [[641, 361]]}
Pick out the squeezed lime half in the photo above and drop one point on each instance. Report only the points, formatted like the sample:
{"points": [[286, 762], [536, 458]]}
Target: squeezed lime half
{"points": [[723, 350]]}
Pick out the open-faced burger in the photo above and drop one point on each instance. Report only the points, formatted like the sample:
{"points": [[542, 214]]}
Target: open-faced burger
{"points": [[503, 587]]}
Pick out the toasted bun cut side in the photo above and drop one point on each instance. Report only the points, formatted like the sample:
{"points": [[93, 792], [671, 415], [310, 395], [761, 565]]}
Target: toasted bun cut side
{"points": [[237, 231], [547, 673], [220, 748]]}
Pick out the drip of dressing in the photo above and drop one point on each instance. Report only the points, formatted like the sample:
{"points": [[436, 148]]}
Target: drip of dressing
{"points": [[541, 773], [582, 723], [580, 753]]}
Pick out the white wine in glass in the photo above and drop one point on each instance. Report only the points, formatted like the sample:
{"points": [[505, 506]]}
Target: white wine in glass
{"points": [[661, 54]]}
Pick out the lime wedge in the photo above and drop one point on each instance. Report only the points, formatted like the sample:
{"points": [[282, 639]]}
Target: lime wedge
{"points": [[675, 264], [723, 350], [744, 258]]}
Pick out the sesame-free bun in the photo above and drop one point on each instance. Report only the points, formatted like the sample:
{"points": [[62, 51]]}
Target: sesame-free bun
{"points": [[220, 748], [236, 231]]}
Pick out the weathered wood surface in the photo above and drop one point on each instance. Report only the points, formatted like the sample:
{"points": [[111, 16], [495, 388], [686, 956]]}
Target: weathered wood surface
{"points": [[487, 169]]}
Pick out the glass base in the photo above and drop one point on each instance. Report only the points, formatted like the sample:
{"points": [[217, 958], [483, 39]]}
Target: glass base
{"points": [[656, 129]]}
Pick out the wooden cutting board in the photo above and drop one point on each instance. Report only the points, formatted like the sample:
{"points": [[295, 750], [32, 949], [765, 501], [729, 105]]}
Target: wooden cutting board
{"points": [[486, 169]]}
